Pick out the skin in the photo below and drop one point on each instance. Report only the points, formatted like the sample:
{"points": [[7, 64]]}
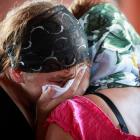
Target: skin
{"points": [[118, 96], [32, 82], [25, 89], [126, 100], [46, 103], [34, 101]]}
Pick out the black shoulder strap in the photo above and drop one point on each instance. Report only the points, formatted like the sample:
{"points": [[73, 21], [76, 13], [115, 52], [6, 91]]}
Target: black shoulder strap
{"points": [[114, 109]]}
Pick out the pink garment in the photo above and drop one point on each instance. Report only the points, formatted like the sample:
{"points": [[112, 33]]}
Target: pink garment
{"points": [[83, 120]]}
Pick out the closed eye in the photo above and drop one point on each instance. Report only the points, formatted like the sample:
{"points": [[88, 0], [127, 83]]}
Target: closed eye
{"points": [[59, 83]]}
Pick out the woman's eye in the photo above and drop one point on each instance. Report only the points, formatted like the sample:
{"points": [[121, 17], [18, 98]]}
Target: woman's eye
{"points": [[60, 83], [57, 82]]}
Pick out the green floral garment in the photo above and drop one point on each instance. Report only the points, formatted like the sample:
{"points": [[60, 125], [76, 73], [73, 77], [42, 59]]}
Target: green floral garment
{"points": [[113, 47]]}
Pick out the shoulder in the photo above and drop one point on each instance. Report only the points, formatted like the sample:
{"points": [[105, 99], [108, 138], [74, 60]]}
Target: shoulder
{"points": [[121, 98], [59, 123], [72, 116], [66, 111], [54, 131]]}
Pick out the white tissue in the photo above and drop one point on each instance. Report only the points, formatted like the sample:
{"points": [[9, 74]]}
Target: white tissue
{"points": [[60, 90]]}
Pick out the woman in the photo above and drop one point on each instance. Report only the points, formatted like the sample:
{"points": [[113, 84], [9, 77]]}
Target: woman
{"points": [[113, 111], [40, 43]]}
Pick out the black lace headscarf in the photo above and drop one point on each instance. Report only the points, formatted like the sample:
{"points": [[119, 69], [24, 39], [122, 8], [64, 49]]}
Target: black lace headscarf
{"points": [[53, 41]]}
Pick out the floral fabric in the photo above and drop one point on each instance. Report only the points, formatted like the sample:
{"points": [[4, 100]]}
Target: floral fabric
{"points": [[114, 47]]}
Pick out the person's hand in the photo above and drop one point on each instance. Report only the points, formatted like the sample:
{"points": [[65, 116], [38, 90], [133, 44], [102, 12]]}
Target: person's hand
{"points": [[46, 103]]}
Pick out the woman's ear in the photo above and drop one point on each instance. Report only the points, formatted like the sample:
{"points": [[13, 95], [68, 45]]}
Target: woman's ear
{"points": [[16, 75]]}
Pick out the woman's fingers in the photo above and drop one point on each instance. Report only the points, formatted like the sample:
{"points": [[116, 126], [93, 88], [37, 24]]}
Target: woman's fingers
{"points": [[43, 105], [68, 94], [74, 87], [46, 101], [84, 83], [47, 96]]}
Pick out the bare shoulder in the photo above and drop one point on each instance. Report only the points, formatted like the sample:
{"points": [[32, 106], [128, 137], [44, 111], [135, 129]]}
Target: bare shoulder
{"points": [[54, 131], [117, 93], [127, 101]]}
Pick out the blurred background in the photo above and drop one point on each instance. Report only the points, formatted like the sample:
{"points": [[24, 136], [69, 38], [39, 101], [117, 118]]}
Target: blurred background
{"points": [[129, 7]]}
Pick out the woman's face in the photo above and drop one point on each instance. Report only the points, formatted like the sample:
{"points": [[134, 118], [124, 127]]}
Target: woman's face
{"points": [[33, 82]]}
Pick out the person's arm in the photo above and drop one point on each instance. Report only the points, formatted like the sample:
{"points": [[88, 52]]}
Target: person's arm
{"points": [[55, 132], [46, 103]]}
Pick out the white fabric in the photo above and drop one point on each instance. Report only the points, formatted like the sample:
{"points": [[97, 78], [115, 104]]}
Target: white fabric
{"points": [[61, 90]]}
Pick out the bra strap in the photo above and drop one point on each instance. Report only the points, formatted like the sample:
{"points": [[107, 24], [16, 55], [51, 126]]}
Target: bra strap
{"points": [[114, 109]]}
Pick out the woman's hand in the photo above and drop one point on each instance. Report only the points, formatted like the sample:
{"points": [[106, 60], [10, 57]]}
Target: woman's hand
{"points": [[46, 103]]}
